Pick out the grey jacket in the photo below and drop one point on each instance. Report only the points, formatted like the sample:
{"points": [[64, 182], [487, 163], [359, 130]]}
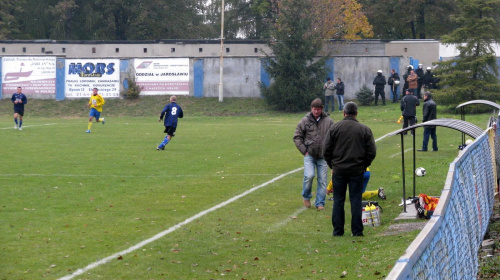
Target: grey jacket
{"points": [[309, 134]]}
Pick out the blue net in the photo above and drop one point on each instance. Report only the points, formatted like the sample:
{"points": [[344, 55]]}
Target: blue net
{"points": [[447, 247]]}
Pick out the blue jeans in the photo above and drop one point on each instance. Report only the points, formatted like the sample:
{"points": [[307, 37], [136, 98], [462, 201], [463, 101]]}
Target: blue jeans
{"points": [[341, 101], [329, 99], [310, 166], [430, 132], [413, 91], [340, 182], [394, 94]]}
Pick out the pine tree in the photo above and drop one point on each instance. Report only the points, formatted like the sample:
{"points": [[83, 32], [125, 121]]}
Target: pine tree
{"points": [[297, 75], [473, 74]]}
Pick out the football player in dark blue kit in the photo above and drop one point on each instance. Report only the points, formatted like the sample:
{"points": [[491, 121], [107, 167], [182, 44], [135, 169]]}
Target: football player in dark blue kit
{"points": [[170, 114], [19, 99]]}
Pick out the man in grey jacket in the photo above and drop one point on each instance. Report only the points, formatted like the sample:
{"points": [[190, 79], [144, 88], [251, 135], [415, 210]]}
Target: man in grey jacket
{"points": [[308, 139]]}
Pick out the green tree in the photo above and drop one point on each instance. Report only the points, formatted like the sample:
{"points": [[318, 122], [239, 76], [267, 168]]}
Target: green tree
{"points": [[405, 19], [473, 75], [297, 78], [9, 24], [297, 65], [63, 13]]}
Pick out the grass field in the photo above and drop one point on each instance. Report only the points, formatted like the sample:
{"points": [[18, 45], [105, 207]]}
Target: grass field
{"points": [[69, 199]]}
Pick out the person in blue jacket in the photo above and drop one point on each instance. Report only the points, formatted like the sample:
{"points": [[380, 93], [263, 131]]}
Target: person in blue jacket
{"points": [[19, 99], [170, 114]]}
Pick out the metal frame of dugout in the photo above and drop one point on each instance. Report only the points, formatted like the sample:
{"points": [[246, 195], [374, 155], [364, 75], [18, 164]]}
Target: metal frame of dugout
{"points": [[491, 121], [466, 128]]}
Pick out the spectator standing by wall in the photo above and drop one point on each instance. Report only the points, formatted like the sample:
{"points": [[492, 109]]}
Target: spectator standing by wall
{"points": [[329, 88], [420, 75], [413, 83], [393, 81], [379, 83], [405, 78], [340, 93], [428, 79]]}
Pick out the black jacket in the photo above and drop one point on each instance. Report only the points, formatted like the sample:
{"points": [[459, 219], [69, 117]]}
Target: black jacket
{"points": [[392, 78], [379, 81], [429, 110], [420, 74], [340, 88], [409, 105], [349, 147], [428, 78]]}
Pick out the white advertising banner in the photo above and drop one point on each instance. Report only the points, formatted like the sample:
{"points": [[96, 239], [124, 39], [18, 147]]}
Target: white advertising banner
{"points": [[36, 75], [82, 75], [163, 76]]}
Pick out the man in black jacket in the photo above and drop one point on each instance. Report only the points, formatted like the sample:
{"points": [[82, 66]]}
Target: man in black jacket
{"points": [[429, 131], [409, 105], [393, 81], [340, 93], [349, 148], [379, 83], [420, 75]]}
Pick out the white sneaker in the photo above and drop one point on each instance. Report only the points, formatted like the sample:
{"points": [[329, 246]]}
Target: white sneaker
{"points": [[16, 126], [20, 128]]}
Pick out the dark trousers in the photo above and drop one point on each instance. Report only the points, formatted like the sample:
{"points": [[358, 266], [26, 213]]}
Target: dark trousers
{"points": [[340, 183], [382, 95], [430, 132], [408, 121]]}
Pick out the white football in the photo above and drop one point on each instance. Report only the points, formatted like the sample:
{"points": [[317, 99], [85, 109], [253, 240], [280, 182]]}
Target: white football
{"points": [[469, 141], [420, 171]]}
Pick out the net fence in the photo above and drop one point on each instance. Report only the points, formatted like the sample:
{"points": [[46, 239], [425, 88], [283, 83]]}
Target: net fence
{"points": [[447, 246]]}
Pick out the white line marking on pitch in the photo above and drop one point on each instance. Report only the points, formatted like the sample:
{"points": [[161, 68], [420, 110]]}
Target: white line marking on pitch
{"points": [[397, 154], [130, 176], [287, 220], [173, 228], [24, 126], [185, 222]]}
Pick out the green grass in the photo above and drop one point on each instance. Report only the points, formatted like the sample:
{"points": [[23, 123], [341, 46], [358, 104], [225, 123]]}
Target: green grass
{"points": [[68, 199]]}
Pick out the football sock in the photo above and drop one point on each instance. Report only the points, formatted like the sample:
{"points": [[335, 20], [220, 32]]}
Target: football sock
{"points": [[165, 142], [20, 124], [369, 194], [90, 124], [15, 120]]}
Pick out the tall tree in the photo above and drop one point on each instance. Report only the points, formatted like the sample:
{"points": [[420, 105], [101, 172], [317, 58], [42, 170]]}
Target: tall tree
{"points": [[298, 32], [473, 75], [410, 19], [9, 23], [297, 79], [63, 13]]}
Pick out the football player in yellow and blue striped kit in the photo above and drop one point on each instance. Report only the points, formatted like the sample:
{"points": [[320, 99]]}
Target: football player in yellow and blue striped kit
{"points": [[366, 194], [95, 103]]}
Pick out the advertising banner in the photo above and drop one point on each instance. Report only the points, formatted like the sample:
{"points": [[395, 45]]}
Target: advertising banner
{"points": [[36, 75], [82, 75], [164, 76]]}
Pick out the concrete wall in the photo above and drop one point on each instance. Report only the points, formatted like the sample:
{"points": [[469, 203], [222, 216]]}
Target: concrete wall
{"points": [[424, 51], [355, 62], [241, 77]]}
